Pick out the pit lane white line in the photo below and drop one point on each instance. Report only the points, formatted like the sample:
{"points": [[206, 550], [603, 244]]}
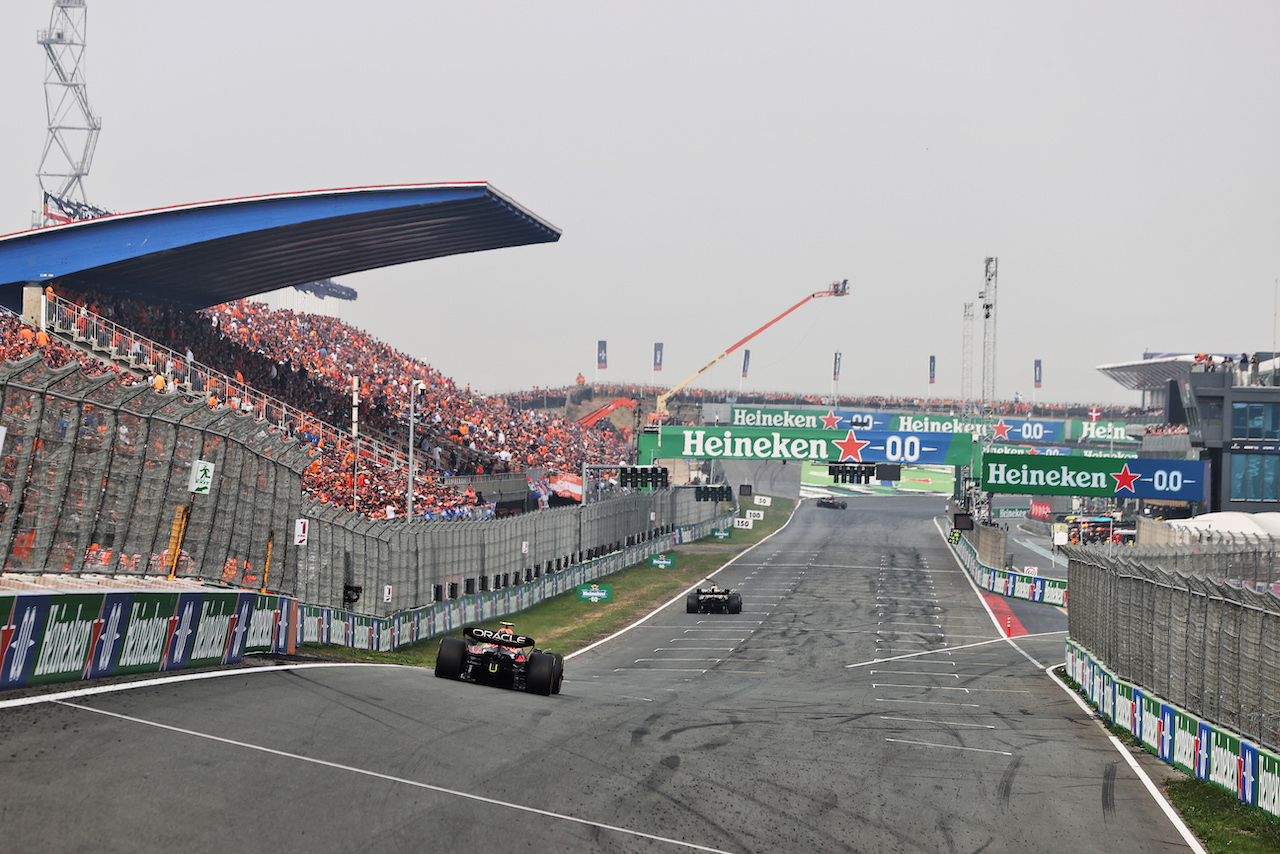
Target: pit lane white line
{"points": [[661, 669], [949, 688], [942, 723], [948, 746], [688, 649], [928, 703], [393, 779]]}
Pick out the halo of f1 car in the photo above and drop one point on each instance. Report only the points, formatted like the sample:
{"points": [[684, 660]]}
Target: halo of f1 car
{"points": [[713, 600], [833, 503], [500, 658]]}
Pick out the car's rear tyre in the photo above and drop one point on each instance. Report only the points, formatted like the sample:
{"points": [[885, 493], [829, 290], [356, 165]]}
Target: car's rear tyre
{"points": [[559, 676], [450, 658], [540, 676], [735, 603], [691, 603]]}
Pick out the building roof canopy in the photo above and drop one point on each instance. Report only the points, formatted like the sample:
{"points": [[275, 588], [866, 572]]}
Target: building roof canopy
{"points": [[198, 255]]}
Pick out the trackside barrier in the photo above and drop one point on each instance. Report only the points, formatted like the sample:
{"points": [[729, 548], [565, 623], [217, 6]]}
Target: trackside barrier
{"points": [[1014, 585], [318, 624], [1188, 743], [63, 637], [66, 637]]}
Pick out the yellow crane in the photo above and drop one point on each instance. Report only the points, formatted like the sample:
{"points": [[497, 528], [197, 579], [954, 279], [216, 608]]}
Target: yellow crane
{"points": [[660, 414]]}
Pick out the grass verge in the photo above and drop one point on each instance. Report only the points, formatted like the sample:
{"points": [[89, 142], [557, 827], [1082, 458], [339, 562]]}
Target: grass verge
{"points": [[1222, 823], [1220, 820], [564, 624]]}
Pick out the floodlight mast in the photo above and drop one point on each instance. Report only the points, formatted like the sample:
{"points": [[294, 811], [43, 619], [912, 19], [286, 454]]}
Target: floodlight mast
{"points": [[835, 289], [73, 126]]}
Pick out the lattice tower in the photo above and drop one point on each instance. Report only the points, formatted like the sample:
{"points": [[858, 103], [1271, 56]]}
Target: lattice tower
{"points": [[966, 358], [73, 127], [988, 296]]}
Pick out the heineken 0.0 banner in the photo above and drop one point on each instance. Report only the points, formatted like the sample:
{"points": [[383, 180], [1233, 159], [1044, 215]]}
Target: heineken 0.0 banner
{"points": [[595, 592], [831, 446], [1183, 480], [1101, 431], [1001, 430]]}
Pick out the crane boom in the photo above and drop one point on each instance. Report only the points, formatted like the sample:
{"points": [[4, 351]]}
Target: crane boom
{"points": [[835, 289]]}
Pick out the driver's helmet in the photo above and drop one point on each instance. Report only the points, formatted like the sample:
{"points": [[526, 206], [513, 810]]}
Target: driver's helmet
{"points": [[506, 630]]}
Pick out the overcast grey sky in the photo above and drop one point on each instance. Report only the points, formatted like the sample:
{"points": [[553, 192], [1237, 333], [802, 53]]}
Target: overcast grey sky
{"points": [[711, 163]]}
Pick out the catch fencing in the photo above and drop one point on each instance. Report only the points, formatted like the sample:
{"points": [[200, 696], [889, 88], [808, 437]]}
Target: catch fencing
{"points": [[402, 564], [95, 479], [1179, 622]]}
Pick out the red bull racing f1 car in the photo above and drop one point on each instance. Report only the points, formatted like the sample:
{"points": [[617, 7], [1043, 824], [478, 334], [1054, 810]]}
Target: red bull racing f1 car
{"points": [[501, 658], [713, 600]]}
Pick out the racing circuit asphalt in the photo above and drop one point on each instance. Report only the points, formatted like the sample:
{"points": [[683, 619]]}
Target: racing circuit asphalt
{"points": [[862, 702]]}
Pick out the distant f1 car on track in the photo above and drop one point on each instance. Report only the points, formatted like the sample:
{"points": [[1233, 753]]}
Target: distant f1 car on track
{"points": [[833, 503], [501, 658], [713, 600]]}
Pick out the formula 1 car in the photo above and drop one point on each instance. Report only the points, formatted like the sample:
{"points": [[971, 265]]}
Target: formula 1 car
{"points": [[502, 658], [833, 503], [713, 600]]}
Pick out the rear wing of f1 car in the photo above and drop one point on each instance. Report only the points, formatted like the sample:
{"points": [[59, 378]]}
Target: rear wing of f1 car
{"points": [[487, 636]]}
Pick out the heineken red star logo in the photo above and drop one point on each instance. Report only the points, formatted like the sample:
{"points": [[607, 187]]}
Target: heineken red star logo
{"points": [[1002, 430], [830, 421], [1125, 479], [851, 448]]}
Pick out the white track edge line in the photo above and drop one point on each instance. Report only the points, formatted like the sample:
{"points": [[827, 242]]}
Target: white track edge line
{"points": [[1165, 806]]}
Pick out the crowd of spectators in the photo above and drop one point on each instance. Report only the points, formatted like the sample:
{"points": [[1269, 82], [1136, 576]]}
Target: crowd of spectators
{"points": [[928, 406], [18, 340], [308, 361], [1164, 429]]}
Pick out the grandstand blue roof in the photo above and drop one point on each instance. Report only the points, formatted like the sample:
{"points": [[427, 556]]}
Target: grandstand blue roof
{"points": [[198, 255]]}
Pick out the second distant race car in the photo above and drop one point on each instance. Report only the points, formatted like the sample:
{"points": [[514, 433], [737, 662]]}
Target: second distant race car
{"points": [[833, 503], [713, 600]]}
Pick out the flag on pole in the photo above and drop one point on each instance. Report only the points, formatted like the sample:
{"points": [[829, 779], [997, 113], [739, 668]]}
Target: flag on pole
{"points": [[602, 358], [746, 359], [1037, 373], [59, 211], [657, 356], [932, 366], [835, 370]]}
